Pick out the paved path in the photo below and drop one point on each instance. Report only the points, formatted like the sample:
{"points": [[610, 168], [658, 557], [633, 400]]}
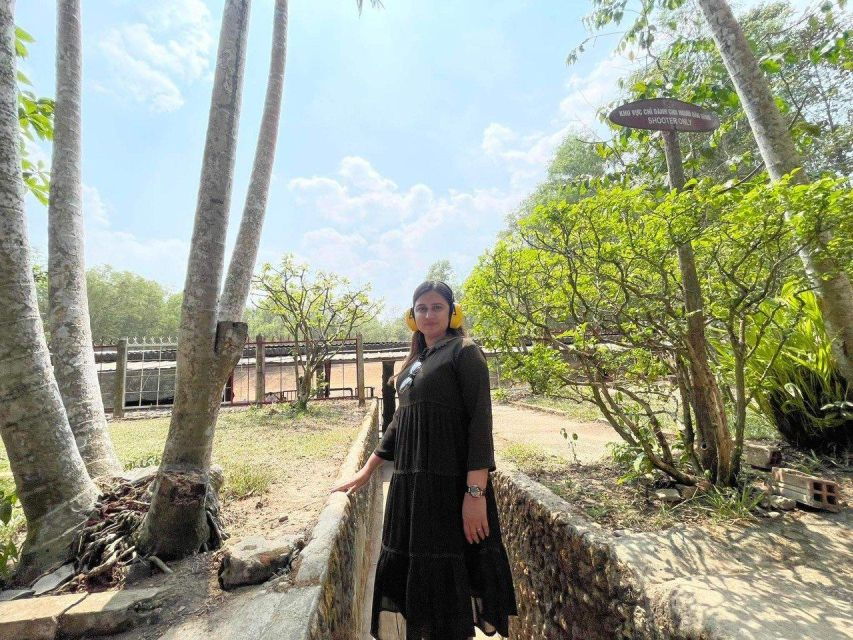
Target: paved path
{"points": [[514, 424]]}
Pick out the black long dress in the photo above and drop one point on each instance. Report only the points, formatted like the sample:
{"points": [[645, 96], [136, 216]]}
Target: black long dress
{"points": [[431, 584]]}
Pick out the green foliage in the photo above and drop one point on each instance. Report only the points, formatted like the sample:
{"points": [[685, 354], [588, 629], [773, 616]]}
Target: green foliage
{"points": [[143, 461], [730, 504], [124, 304], [632, 459], [318, 310], [35, 118], [794, 373], [246, 480], [806, 59], [8, 549], [585, 296]]}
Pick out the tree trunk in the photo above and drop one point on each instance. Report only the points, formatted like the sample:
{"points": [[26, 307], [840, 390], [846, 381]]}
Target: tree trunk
{"points": [[208, 350], [239, 278], [68, 316], [716, 441], [53, 486], [780, 156]]}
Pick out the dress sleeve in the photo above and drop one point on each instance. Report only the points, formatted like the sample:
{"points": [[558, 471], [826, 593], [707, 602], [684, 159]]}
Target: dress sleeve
{"points": [[473, 375], [385, 450]]}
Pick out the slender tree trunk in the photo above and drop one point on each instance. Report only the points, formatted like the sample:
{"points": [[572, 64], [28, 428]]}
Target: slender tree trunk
{"points": [[716, 441], [176, 524], [70, 331], [239, 278], [780, 156], [53, 486]]}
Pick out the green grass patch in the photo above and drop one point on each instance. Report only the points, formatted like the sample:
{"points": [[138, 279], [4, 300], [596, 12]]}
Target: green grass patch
{"points": [[244, 481], [580, 411], [531, 458]]}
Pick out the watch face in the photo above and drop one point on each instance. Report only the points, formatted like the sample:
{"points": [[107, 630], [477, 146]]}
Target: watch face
{"points": [[475, 491]]}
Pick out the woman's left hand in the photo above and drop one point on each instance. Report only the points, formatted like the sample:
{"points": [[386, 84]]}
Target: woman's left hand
{"points": [[474, 519]]}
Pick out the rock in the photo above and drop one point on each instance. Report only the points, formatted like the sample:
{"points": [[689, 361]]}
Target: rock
{"points": [[110, 612], [778, 502], [686, 491], [254, 560], [138, 571], [773, 515], [53, 579], [14, 594], [35, 618], [669, 496]]}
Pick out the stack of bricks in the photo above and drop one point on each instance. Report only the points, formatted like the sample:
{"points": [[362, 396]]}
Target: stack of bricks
{"points": [[805, 489]]}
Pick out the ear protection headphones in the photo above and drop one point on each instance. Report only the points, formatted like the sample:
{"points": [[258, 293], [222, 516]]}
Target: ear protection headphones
{"points": [[456, 316]]}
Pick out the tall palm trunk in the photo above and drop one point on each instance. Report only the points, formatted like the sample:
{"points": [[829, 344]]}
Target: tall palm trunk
{"points": [[208, 350], [780, 156], [70, 331], [53, 486], [239, 278]]}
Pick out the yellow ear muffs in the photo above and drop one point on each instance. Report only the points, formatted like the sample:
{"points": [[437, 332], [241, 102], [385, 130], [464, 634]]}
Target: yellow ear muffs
{"points": [[456, 318], [410, 320]]}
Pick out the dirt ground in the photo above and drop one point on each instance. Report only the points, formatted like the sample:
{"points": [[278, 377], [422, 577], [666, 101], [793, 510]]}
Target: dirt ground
{"points": [[595, 486], [290, 504]]}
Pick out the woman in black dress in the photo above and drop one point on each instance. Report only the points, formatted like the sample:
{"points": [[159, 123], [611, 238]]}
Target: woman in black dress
{"points": [[443, 568]]}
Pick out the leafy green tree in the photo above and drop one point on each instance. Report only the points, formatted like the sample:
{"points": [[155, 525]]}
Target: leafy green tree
{"points": [[829, 277], [124, 304], [807, 60], [319, 311], [35, 117], [595, 284]]}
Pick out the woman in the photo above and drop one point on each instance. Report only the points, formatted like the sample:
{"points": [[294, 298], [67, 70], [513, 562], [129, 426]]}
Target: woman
{"points": [[443, 567]]}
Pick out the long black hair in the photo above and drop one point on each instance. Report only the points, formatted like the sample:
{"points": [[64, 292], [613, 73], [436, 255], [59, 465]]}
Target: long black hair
{"points": [[418, 340]]}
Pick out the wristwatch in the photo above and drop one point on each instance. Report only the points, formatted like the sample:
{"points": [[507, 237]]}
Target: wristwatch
{"points": [[475, 491]]}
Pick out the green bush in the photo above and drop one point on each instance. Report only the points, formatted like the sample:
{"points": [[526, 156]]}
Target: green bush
{"points": [[801, 391]]}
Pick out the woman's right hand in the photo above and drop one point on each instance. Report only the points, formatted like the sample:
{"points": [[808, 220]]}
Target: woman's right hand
{"points": [[356, 482]]}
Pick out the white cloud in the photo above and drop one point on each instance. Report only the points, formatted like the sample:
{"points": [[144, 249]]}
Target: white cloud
{"points": [[360, 195], [149, 59], [526, 156], [373, 230], [95, 210], [161, 258]]}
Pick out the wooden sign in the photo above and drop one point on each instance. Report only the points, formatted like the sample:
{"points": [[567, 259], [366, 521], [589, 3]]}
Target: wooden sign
{"points": [[664, 114]]}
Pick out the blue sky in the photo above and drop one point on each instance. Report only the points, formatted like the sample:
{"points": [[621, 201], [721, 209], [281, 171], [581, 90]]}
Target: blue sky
{"points": [[407, 133]]}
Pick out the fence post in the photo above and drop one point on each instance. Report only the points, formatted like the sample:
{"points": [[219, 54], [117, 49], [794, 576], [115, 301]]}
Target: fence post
{"points": [[120, 378], [327, 375], [260, 369], [388, 391], [359, 368]]}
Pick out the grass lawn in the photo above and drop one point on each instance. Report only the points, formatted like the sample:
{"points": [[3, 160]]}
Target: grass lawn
{"points": [[257, 448]]}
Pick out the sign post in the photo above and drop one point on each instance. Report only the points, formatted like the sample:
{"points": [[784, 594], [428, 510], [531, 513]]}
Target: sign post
{"points": [[670, 116]]}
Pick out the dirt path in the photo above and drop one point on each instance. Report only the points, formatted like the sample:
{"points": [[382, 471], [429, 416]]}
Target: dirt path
{"points": [[514, 424]]}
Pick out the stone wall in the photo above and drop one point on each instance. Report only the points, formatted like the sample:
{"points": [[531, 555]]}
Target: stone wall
{"points": [[569, 582], [336, 558]]}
